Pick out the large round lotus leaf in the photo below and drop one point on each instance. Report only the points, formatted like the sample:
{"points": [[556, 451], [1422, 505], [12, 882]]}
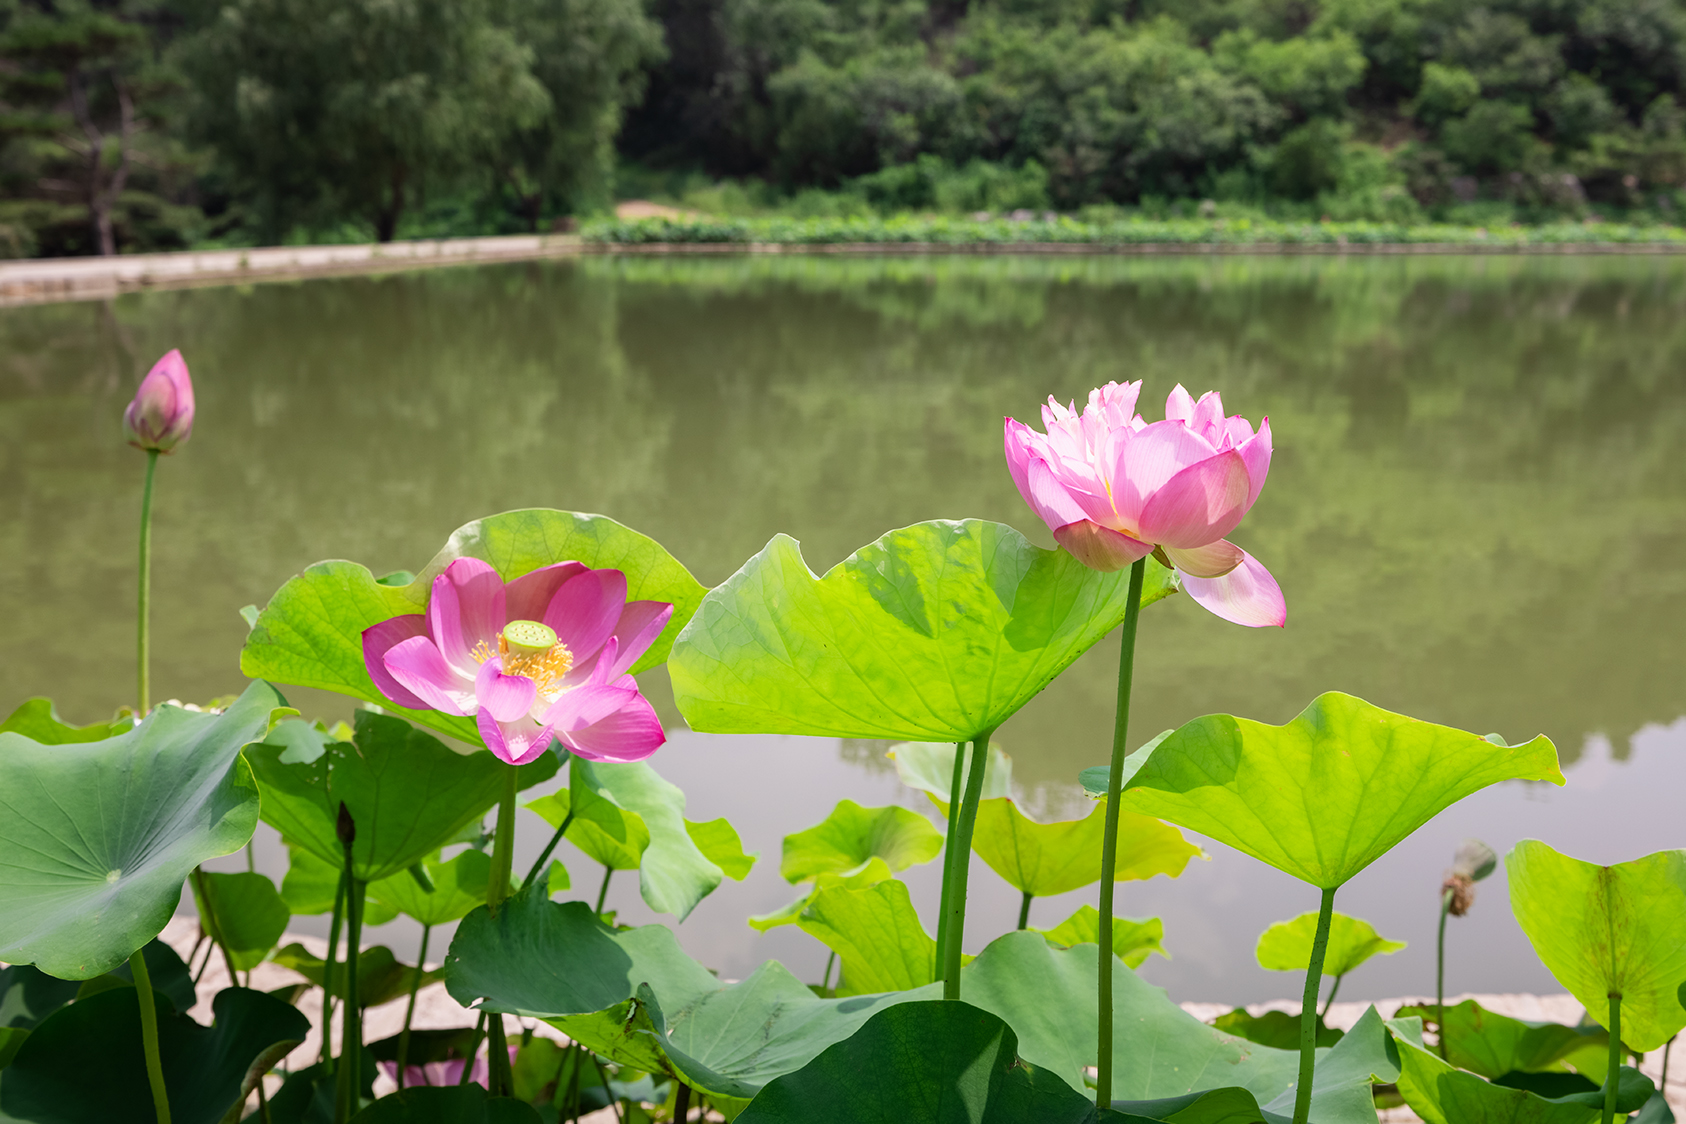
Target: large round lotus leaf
{"points": [[876, 933], [932, 1062], [96, 838], [1286, 945], [1132, 941], [1492, 1045], [311, 633], [1605, 930], [458, 886], [408, 792], [244, 911], [85, 1062], [1054, 858], [1327, 794], [39, 721], [934, 633], [852, 835]]}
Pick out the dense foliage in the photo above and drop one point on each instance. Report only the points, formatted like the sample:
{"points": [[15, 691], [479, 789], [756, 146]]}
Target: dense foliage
{"points": [[158, 123]]}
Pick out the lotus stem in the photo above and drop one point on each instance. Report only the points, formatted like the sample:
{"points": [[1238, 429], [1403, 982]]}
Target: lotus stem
{"points": [[327, 1057], [1109, 842], [830, 963], [143, 616], [209, 923], [499, 1081], [549, 848], [503, 844], [1663, 1084], [956, 791], [603, 1076], [410, 1011], [1308, 1009], [149, 1032], [1612, 1075], [954, 902], [1024, 909], [1330, 1002], [473, 1049], [351, 1033], [682, 1102], [1440, 974], [603, 892]]}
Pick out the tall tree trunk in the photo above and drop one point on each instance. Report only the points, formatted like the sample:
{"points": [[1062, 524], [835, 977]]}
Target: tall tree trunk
{"points": [[102, 196], [386, 220]]}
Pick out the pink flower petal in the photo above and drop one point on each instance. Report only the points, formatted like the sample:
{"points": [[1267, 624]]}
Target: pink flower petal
{"points": [[583, 705], [1179, 405], [1255, 451], [528, 596], [504, 697], [1208, 419], [630, 733], [585, 609], [1199, 505], [640, 624], [1115, 403], [1140, 462], [1058, 500], [1213, 560], [1101, 548], [514, 743], [1247, 595], [418, 667], [378, 639], [467, 608]]}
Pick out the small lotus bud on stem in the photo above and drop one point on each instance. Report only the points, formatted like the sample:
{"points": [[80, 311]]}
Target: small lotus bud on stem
{"points": [[1462, 890], [346, 828]]}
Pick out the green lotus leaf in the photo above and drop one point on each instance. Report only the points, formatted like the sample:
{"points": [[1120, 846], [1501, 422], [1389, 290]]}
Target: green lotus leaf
{"points": [[851, 835], [1278, 1029], [96, 838], [381, 976], [929, 767], [719, 843], [28, 995], [311, 632], [1286, 945], [876, 934], [1132, 941], [207, 1070], [558, 962], [408, 793], [245, 913], [869, 873], [626, 816], [1094, 779], [458, 886], [1326, 795], [311, 882], [38, 721], [1604, 930], [1492, 1045], [934, 633], [12, 1039], [453, 1104], [1442, 1094], [931, 1062], [1042, 859]]}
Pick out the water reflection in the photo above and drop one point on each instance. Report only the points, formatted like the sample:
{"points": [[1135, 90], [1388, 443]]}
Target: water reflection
{"points": [[1476, 508]]}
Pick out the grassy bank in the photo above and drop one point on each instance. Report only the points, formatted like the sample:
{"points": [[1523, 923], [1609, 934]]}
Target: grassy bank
{"points": [[966, 231]]}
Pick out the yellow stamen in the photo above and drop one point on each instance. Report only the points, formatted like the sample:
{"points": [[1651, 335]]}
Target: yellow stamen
{"points": [[545, 667]]}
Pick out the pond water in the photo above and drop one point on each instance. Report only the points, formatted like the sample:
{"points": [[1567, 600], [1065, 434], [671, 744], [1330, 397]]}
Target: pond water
{"points": [[1477, 511]]}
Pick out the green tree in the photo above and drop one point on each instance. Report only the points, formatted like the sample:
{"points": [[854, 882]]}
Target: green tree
{"points": [[324, 108]]}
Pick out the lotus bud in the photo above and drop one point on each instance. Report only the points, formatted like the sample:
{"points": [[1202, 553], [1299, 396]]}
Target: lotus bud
{"points": [[161, 415], [346, 827], [1473, 861]]}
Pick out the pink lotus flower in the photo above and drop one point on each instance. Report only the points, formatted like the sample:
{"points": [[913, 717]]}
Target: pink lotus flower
{"points": [[1114, 488], [161, 415], [543, 656], [447, 1072]]}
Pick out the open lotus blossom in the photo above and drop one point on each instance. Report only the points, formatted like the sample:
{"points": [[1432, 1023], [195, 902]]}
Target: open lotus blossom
{"points": [[160, 416], [447, 1072], [1114, 488], [544, 656]]}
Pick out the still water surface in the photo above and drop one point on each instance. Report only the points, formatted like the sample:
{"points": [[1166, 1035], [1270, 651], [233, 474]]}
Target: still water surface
{"points": [[1477, 511]]}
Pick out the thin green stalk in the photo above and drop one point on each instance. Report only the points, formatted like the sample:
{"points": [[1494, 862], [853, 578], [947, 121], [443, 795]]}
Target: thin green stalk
{"points": [[143, 654], [1663, 1084], [499, 1081], [682, 1103], [603, 1076], [603, 893], [351, 1032], [1308, 1009], [251, 856], [149, 1036], [1109, 841], [574, 1086], [830, 963], [1440, 973], [209, 923], [1614, 1072], [954, 901], [473, 1049], [955, 793], [503, 844], [327, 1058], [549, 848], [1024, 909], [1330, 1002], [410, 1011]]}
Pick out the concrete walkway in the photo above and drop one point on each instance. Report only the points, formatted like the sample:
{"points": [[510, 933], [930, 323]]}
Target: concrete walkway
{"points": [[40, 280]]}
